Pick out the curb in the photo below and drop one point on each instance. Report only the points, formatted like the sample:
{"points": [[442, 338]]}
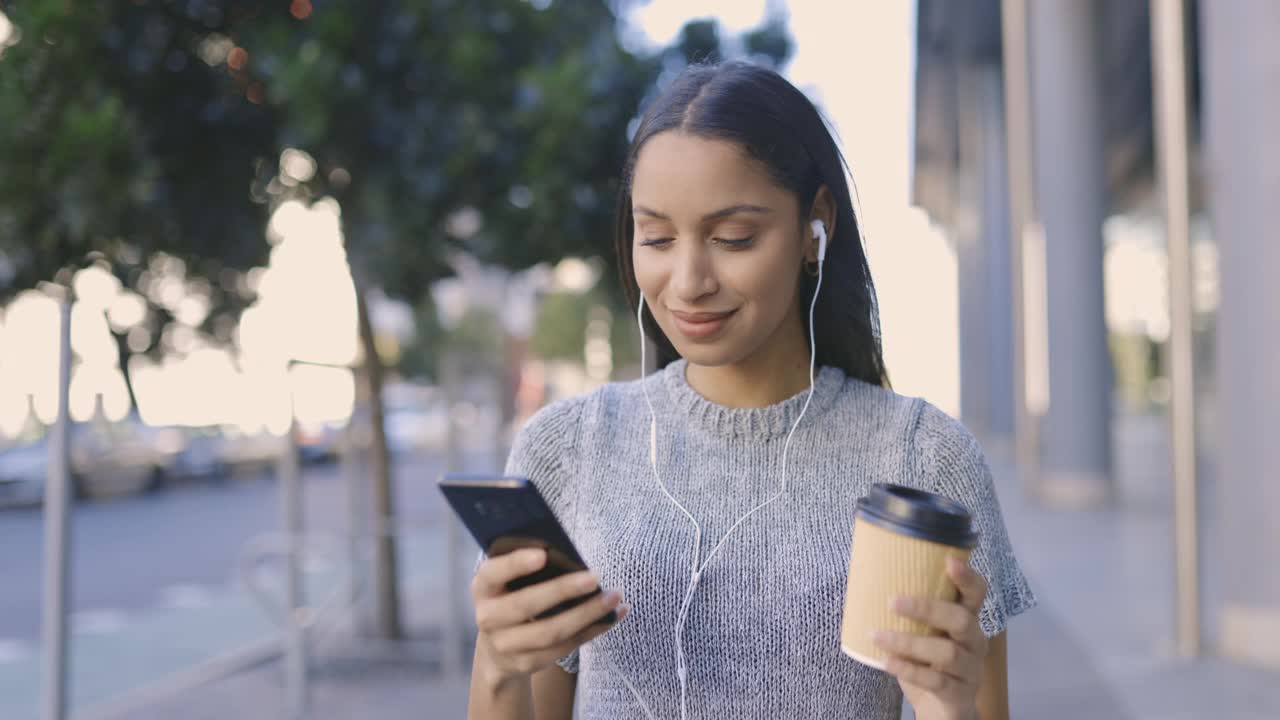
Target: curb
{"points": [[214, 669]]}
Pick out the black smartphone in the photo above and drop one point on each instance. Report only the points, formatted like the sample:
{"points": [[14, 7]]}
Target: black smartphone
{"points": [[505, 514]]}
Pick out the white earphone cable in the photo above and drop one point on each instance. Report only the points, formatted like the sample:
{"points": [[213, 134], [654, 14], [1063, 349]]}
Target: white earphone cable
{"points": [[696, 576]]}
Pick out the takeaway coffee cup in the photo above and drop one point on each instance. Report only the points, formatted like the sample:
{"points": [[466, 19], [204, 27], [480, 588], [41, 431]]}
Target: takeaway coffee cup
{"points": [[902, 538]]}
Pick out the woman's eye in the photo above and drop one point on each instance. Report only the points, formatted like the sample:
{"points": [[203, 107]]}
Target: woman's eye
{"points": [[656, 242], [735, 243]]}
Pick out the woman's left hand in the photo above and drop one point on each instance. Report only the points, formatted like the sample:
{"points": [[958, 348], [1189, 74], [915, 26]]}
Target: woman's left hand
{"points": [[940, 675]]}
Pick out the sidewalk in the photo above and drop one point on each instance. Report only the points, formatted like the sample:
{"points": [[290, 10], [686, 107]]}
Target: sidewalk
{"points": [[1099, 645], [174, 647], [348, 681], [349, 676], [104, 665]]}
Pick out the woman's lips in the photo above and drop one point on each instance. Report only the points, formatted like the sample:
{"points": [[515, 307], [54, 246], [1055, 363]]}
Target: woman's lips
{"points": [[700, 325]]}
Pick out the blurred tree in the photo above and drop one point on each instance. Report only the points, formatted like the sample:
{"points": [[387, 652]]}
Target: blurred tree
{"points": [[488, 128], [560, 328], [495, 129], [419, 358], [699, 42], [492, 128], [477, 338], [118, 137]]}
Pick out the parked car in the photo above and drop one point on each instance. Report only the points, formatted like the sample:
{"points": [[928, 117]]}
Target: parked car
{"points": [[107, 459], [412, 429], [320, 443], [199, 453], [249, 454], [215, 454], [116, 458], [22, 474]]}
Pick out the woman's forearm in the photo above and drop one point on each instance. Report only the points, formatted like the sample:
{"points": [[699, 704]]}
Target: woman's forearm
{"points": [[498, 697]]}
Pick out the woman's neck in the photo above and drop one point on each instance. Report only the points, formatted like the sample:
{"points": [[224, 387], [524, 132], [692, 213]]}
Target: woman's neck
{"points": [[779, 370]]}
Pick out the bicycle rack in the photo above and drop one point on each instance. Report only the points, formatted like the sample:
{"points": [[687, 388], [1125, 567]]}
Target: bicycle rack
{"points": [[296, 619]]}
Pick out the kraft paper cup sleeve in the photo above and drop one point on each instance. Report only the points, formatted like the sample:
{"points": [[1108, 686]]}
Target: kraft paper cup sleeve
{"points": [[884, 564]]}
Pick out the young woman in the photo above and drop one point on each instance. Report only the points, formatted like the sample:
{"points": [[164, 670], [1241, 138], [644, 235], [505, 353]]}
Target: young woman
{"points": [[718, 493]]}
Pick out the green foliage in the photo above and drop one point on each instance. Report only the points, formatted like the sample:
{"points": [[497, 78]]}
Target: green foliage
{"points": [[699, 42], [770, 43], [477, 339], [117, 138], [419, 359], [559, 330], [624, 337], [132, 127], [515, 114]]}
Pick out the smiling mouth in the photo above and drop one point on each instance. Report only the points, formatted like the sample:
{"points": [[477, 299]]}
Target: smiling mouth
{"points": [[702, 317], [701, 325]]}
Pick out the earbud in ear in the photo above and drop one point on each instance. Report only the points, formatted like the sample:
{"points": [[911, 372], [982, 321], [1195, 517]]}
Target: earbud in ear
{"points": [[820, 232]]}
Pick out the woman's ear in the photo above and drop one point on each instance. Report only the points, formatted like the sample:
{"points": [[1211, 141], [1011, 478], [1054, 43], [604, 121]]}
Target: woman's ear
{"points": [[824, 209]]}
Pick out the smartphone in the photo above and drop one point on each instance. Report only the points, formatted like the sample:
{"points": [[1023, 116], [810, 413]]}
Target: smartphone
{"points": [[505, 514]]}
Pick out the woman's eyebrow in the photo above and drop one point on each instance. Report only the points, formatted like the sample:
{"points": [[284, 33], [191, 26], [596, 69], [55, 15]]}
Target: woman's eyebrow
{"points": [[726, 212]]}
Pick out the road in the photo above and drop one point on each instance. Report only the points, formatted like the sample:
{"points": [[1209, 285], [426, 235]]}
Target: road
{"points": [[176, 548]]}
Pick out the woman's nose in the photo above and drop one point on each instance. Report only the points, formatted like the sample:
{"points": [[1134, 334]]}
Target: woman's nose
{"points": [[693, 276]]}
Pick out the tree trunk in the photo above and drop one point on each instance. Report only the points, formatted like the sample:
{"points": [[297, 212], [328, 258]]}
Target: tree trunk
{"points": [[123, 354], [386, 566]]}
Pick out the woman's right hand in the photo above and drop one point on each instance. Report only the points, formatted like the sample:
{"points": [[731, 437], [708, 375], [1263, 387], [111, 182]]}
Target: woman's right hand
{"points": [[515, 643]]}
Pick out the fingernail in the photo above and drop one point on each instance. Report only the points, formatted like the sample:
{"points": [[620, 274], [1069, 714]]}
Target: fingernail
{"points": [[897, 604], [879, 637], [588, 582], [623, 611], [613, 598], [535, 557]]}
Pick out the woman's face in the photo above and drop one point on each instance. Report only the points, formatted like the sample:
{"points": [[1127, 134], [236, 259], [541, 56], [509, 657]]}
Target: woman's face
{"points": [[717, 250]]}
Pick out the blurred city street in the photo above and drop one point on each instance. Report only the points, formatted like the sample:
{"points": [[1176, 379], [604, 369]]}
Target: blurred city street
{"points": [[148, 605], [269, 270], [1098, 646]]}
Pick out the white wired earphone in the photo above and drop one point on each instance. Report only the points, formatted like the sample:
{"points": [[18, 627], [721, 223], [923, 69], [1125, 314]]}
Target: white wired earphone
{"points": [[819, 232]]}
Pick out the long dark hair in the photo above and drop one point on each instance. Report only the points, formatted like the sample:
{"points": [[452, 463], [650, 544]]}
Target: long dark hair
{"points": [[779, 127]]}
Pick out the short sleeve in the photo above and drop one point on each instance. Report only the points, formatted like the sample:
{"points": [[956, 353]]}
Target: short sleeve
{"points": [[948, 460], [544, 451]]}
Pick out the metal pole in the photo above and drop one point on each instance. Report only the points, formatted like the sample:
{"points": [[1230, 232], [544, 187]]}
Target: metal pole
{"points": [[454, 656], [350, 465], [1168, 64], [1017, 108], [57, 533], [295, 640]]}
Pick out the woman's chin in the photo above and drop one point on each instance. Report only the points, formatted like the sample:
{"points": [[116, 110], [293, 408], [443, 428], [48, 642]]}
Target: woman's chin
{"points": [[712, 354]]}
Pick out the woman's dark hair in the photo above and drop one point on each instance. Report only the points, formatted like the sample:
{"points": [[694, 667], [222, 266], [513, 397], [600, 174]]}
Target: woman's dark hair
{"points": [[779, 127]]}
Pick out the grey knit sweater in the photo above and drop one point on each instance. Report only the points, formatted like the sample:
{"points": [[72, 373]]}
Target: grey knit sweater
{"points": [[762, 636]]}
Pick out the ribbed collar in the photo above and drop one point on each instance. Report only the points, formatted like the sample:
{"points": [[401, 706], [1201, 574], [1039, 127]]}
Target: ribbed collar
{"points": [[770, 421]]}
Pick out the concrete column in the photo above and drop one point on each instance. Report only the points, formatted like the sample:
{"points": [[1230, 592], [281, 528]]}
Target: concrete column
{"points": [[971, 248], [981, 226], [1241, 107], [1071, 198], [995, 234]]}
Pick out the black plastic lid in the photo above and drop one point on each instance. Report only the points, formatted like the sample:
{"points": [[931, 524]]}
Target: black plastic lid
{"points": [[918, 513]]}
